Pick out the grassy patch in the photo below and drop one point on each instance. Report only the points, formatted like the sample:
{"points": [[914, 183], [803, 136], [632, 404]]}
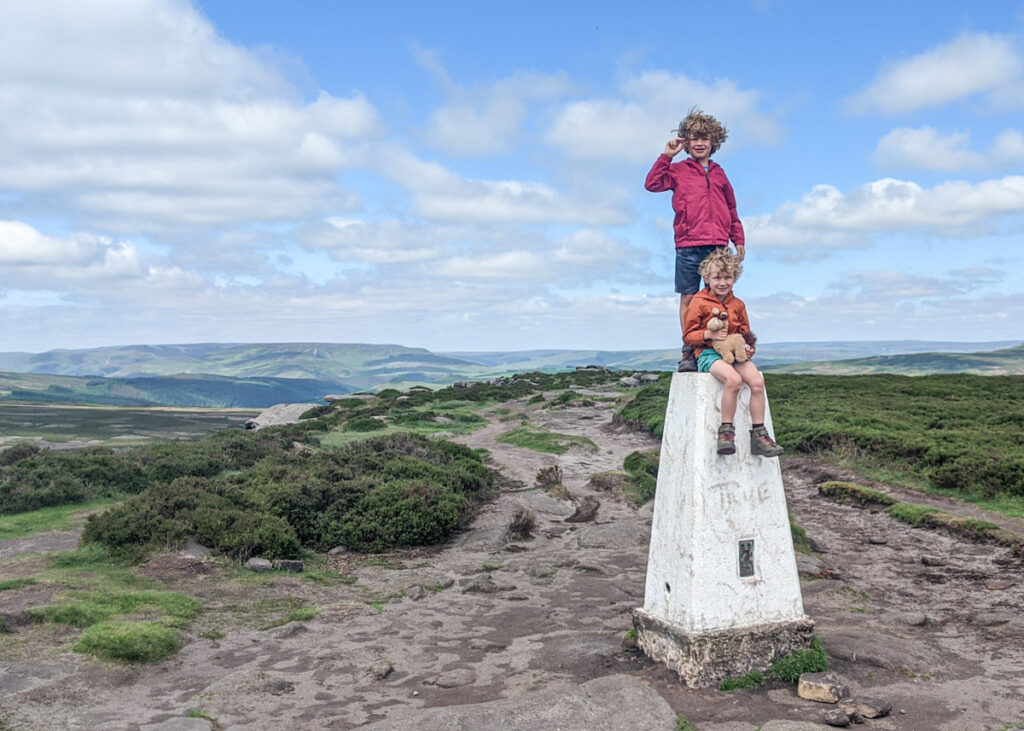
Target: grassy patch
{"points": [[542, 440], [84, 609], [925, 516], [303, 614], [682, 724], [642, 483], [12, 584], [125, 617], [801, 542], [60, 517], [128, 641], [750, 680]]}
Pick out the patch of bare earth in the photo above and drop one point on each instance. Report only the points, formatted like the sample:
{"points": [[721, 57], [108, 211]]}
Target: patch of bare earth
{"points": [[925, 620]]}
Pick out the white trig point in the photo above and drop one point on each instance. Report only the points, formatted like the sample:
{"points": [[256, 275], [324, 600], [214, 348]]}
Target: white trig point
{"points": [[723, 596]]}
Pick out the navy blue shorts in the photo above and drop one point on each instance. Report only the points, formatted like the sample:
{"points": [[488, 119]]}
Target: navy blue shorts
{"points": [[688, 259]]}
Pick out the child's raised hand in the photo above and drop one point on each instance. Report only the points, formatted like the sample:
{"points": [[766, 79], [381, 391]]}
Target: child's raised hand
{"points": [[673, 147]]}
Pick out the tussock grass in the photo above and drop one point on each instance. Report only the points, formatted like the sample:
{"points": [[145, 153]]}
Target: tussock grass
{"points": [[921, 516], [850, 492], [542, 440], [129, 641]]}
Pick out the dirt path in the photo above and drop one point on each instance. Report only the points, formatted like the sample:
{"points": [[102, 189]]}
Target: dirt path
{"points": [[929, 622]]}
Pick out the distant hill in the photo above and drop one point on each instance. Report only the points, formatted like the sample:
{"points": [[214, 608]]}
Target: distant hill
{"points": [[209, 391], [263, 374], [1006, 362]]}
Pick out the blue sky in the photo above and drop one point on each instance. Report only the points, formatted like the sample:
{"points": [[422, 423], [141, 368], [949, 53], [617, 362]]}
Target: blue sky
{"points": [[469, 176]]}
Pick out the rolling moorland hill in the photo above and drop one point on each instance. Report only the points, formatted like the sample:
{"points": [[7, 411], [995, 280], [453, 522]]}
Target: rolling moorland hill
{"points": [[259, 375], [1006, 362]]}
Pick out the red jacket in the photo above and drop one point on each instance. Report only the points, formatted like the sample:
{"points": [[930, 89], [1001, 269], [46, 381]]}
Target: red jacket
{"points": [[695, 321], [704, 202]]}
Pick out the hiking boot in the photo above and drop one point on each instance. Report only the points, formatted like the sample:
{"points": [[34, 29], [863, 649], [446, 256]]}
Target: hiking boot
{"points": [[687, 364], [763, 445], [726, 439]]}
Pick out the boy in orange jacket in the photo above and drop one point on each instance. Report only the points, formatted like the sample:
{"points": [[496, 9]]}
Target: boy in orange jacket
{"points": [[721, 270]]}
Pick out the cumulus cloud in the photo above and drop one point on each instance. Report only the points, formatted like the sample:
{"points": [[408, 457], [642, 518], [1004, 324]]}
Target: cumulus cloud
{"points": [[971, 64], [486, 119], [383, 242], [441, 195], [828, 218], [927, 149], [27, 256], [650, 104], [141, 108], [929, 309]]}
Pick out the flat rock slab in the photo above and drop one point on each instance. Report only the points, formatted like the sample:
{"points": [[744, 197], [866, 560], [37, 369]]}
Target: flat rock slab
{"points": [[615, 701]]}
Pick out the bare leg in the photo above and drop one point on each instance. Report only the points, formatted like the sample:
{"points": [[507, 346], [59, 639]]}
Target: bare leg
{"points": [[753, 378], [684, 302], [732, 381]]}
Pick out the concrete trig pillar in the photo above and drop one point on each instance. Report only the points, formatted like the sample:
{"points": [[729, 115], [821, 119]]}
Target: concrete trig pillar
{"points": [[723, 596]]}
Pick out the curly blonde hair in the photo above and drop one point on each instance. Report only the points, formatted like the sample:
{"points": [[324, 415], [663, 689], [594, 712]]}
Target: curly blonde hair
{"points": [[718, 260], [699, 124]]}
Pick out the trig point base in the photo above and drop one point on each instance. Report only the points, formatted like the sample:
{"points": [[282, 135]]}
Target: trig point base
{"points": [[722, 596]]}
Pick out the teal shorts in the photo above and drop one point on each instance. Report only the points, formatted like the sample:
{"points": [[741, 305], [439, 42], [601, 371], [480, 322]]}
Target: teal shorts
{"points": [[707, 357]]}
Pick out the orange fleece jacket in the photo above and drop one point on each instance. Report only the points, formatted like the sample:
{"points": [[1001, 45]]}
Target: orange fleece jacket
{"points": [[698, 313]]}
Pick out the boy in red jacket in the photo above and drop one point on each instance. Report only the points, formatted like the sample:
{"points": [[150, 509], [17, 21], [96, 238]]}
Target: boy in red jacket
{"points": [[704, 205], [721, 270]]}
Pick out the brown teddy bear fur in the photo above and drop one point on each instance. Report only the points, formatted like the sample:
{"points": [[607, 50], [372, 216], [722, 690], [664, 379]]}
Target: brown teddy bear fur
{"points": [[732, 349]]}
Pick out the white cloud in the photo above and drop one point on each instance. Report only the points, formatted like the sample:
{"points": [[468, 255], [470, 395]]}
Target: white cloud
{"points": [[589, 248], [487, 120], [927, 149], [27, 256], [517, 265], [887, 205], [971, 64], [1008, 149], [385, 242], [441, 195], [914, 308], [139, 116], [630, 126]]}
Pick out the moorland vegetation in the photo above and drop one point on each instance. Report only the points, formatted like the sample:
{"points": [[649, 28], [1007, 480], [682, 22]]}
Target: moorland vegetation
{"points": [[960, 434], [370, 474]]}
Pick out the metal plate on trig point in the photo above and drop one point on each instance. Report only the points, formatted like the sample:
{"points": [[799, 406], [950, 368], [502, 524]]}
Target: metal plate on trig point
{"points": [[746, 558]]}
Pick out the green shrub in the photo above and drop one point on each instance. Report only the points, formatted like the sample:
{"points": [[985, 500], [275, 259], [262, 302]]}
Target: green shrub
{"points": [[397, 490], [17, 452], [789, 669]]}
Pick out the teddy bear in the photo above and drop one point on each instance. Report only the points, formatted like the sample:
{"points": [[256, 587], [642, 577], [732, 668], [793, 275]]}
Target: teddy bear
{"points": [[732, 349]]}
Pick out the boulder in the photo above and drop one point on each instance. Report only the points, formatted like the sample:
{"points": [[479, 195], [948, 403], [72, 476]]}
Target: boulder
{"points": [[822, 687]]}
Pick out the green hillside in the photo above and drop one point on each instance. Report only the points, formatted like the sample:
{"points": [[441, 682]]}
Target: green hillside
{"points": [[1007, 362], [182, 390]]}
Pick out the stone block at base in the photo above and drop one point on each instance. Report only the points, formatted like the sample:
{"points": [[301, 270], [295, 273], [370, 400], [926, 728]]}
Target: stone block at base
{"points": [[708, 658]]}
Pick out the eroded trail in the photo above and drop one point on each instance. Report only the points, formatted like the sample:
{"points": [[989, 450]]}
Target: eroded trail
{"points": [[929, 622]]}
